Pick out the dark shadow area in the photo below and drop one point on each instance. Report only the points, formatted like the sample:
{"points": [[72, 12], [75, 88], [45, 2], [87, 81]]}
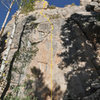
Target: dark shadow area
{"points": [[2, 45], [42, 92], [79, 38]]}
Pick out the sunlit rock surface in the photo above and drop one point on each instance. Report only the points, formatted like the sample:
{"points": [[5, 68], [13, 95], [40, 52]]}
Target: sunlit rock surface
{"points": [[76, 55]]}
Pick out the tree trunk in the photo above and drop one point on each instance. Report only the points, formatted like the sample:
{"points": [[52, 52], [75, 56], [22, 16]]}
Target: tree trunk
{"points": [[6, 52], [3, 26]]}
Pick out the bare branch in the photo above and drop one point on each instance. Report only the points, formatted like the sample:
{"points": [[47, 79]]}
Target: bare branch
{"points": [[4, 4], [3, 26]]}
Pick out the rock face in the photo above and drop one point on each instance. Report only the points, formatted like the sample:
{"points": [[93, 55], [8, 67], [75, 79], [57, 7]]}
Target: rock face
{"points": [[76, 56], [39, 4], [93, 6], [85, 2]]}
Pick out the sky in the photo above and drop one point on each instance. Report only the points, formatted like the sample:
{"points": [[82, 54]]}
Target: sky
{"points": [[58, 3]]}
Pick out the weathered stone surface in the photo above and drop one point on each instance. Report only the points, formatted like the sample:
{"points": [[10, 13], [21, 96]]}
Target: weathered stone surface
{"points": [[76, 55], [93, 6], [39, 4], [97, 9], [85, 2]]}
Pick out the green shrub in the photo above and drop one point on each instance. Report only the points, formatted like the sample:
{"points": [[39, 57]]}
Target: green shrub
{"points": [[52, 7], [27, 6]]}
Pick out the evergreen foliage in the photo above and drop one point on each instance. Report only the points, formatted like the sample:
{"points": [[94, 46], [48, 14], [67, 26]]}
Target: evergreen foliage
{"points": [[27, 5]]}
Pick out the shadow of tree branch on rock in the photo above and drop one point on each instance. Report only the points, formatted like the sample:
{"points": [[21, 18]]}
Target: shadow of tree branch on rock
{"points": [[79, 58], [42, 92]]}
